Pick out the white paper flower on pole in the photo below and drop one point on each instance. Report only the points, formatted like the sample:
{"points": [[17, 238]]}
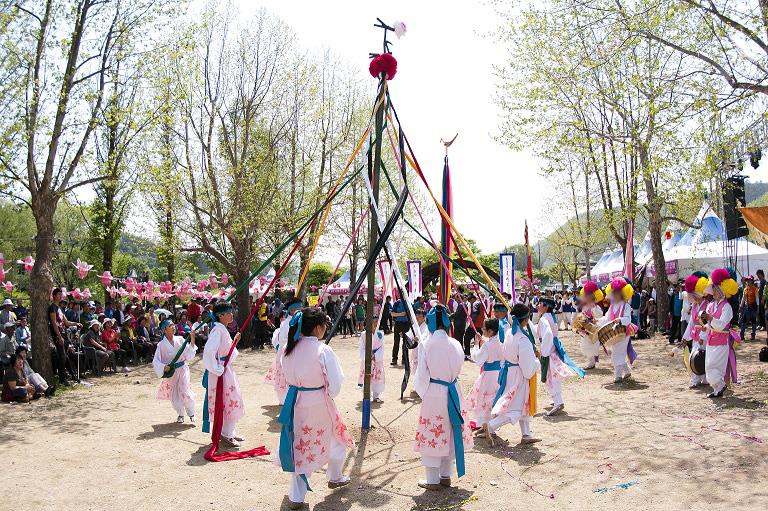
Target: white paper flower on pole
{"points": [[399, 27]]}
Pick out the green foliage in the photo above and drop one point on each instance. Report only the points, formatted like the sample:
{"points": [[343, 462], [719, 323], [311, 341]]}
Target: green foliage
{"points": [[320, 273]]}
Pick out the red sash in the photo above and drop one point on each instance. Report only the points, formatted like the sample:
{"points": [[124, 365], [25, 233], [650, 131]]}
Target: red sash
{"points": [[718, 338]]}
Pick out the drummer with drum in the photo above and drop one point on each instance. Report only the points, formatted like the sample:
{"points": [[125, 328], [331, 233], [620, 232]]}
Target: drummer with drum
{"points": [[694, 335], [586, 322], [617, 328]]}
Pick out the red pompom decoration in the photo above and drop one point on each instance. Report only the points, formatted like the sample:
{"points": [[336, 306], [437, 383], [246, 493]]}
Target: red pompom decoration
{"points": [[590, 287], [384, 63]]}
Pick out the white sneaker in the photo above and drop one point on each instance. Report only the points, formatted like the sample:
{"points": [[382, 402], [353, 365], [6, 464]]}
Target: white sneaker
{"points": [[125, 369], [180, 419], [192, 419]]}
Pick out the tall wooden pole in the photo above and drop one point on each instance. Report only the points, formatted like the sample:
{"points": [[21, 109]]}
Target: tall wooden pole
{"points": [[374, 172]]}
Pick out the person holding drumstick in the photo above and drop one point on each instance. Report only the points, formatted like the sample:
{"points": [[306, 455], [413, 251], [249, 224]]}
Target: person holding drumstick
{"points": [[590, 296], [619, 292], [720, 361], [695, 285]]}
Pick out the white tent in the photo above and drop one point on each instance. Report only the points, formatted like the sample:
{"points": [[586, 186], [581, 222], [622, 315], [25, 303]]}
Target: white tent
{"points": [[700, 247]]}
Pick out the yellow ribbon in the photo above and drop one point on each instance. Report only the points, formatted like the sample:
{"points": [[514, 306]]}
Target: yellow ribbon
{"points": [[335, 185], [532, 396]]}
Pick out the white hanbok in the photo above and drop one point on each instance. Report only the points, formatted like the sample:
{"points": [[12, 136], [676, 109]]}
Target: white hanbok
{"points": [[176, 389], [415, 354], [377, 364], [696, 335], [718, 348], [590, 348], [216, 349], [513, 406], [623, 313]]}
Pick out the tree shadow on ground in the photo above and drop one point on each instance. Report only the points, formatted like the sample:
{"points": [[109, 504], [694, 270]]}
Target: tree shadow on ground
{"points": [[626, 386], [272, 411], [168, 430], [561, 417], [448, 498]]}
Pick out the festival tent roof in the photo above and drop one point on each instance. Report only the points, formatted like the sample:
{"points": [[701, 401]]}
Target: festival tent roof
{"points": [[601, 262], [757, 221], [341, 285], [644, 251], [677, 233]]}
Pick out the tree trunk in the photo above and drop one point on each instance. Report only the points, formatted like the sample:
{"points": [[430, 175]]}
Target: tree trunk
{"points": [[659, 263], [244, 309], [41, 284]]}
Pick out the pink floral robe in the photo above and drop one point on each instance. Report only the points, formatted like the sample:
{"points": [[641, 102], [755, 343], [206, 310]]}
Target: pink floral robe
{"points": [[558, 371], [377, 363], [176, 388], [487, 383], [317, 425], [442, 359], [275, 375], [216, 347]]}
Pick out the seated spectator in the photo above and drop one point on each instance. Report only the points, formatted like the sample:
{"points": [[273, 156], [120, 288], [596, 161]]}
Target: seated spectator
{"points": [[153, 322], [22, 335], [21, 311], [97, 308], [73, 314], [108, 312], [183, 326], [34, 378], [92, 339], [88, 314], [16, 387], [111, 339], [201, 329], [139, 336], [6, 314], [7, 343]]}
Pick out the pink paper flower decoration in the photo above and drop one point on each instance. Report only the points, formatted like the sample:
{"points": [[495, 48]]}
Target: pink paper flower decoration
{"points": [[82, 268], [28, 262], [224, 279], [86, 294], [2, 274], [8, 287], [106, 278]]}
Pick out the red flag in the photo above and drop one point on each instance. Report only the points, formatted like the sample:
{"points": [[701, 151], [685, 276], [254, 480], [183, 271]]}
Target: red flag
{"points": [[529, 267]]}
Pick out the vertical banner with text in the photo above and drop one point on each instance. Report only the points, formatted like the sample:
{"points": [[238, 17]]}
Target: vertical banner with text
{"points": [[414, 279], [507, 275], [387, 281]]}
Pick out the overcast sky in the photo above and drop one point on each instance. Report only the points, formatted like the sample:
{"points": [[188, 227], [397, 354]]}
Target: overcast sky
{"points": [[444, 84]]}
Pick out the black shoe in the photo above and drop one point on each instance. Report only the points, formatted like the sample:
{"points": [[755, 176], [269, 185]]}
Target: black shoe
{"points": [[50, 391], [393, 364]]}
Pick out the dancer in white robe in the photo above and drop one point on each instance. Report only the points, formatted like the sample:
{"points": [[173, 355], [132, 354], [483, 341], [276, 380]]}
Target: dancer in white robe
{"points": [[694, 335], [619, 292], [514, 400], [590, 296], [720, 361], [489, 356], [443, 433], [175, 388], [556, 365], [377, 365], [279, 340], [214, 355], [313, 432]]}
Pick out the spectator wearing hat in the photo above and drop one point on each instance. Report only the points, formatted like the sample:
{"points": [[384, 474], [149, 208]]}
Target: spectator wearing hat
{"points": [[6, 314], [111, 339], [7, 343], [748, 306], [92, 339]]}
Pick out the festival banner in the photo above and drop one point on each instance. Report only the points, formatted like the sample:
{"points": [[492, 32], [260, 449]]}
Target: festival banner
{"points": [[387, 280], [414, 279], [507, 274], [670, 267]]}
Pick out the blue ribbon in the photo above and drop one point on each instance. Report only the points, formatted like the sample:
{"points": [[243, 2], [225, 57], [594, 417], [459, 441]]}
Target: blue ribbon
{"points": [[285, 418], [432, 319], [454, 415], [296, 321], [565, 358], [492, 366], [502, 324], [502, 381], [206, 415]]}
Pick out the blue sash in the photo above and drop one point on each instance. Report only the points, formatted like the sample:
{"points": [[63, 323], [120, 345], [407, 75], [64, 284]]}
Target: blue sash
{"points": [[454, 415], [492, 366], [565, 358], [178, 364], [502, 323], [286, 432], [206, 417], [503, 379]]}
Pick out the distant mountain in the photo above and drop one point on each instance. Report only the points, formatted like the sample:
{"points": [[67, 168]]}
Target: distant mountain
{"points": [[756, 192]]}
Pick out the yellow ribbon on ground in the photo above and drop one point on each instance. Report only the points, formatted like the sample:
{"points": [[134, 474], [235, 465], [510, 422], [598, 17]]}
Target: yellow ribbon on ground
{"points": [[335, 185], [687, 358]]}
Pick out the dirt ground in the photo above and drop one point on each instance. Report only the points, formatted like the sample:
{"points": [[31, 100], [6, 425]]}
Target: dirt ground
{"points": [[648, 444]]}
